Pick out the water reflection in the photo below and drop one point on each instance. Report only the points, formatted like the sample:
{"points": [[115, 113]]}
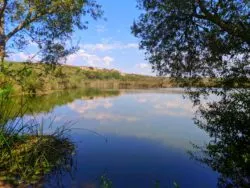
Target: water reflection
{"points": [[87, 110], [138, 137], [227, 122]]}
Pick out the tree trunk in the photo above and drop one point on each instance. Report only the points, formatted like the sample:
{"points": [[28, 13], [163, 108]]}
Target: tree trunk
{"points": [[2, 48], [2, 43]]}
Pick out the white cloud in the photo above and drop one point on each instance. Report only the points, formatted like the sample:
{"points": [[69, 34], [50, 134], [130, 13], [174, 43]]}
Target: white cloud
{"points": [[109, 46], [100, 47], [105, 116], [90, 59], [175, 107], [144, 68], [89, 53], [23, 56], [87, 109], [107, 60], [132, 45], [83, 107], [143, 65]]}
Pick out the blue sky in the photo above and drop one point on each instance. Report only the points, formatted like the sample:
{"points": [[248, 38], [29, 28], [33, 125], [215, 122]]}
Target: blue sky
{"points": [[109, 43]]}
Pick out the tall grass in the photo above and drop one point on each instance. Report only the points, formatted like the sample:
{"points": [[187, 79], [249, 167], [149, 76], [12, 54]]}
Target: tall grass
{"points": [[26, 154]]}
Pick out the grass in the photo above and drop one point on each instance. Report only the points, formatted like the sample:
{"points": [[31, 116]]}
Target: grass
{"points": [[30, 158], [26, 155]]}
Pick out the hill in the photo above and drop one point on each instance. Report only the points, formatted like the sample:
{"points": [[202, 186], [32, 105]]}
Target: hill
{"points": [[42, 78], [38, 78]]}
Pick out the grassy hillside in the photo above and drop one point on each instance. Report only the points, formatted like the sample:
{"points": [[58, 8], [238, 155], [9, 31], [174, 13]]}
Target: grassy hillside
{"points": [[42, 78]]}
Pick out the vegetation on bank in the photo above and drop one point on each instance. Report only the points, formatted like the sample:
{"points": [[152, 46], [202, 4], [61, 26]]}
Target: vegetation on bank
{"points": [[42, 78], [26, 154], [36, 78]]}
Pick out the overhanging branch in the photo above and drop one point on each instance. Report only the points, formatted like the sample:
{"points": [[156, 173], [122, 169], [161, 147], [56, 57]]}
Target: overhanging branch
{"points": [[28, 20], [233, 29], [3, 8]]}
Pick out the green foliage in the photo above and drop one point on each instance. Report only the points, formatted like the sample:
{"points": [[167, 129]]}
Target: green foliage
{"points": [[37, 78], [193, 38], [6, 90], [32, 83], [41, 78], [49, 24], [102, 74]]}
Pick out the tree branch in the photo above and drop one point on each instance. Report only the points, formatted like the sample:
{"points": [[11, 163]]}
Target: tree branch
{"points": [[219, 3], [3, 8], [230, 28], [27, 21]]}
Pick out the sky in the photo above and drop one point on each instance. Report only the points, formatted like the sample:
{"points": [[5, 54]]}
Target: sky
{"points": [[107, 43]]}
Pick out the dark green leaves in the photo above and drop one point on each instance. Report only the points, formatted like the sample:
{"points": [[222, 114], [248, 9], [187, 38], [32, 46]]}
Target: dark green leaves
{"points": [[185, 38]]}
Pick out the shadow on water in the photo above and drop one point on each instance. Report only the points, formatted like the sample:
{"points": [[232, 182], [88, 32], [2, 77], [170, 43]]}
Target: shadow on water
{"points": [[227, 122]]}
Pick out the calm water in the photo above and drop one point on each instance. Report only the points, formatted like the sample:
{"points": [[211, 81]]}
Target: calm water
{"points": [[134, 137]]}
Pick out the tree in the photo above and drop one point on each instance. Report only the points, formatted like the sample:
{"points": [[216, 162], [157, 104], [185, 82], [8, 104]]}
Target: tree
{"points": [[48, 23], [194, 38]]}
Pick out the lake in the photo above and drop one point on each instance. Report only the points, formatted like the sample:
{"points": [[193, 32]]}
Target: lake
{"points": [[135, 138]]}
